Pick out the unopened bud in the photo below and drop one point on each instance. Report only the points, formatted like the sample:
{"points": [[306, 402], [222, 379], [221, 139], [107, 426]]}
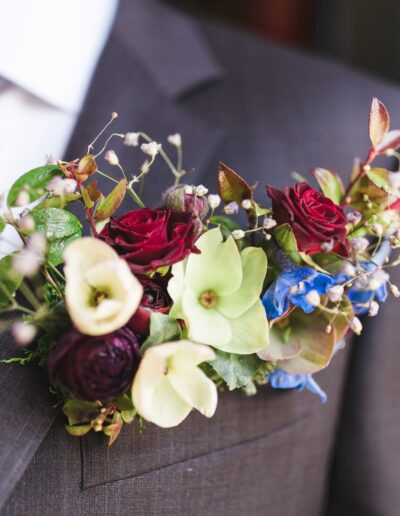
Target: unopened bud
{"points": [[394, 290], [354, 217], [175, 139], [26, 224], [232, 208], [214, 200], [377, 229], [348, 269], [269, 223], [23, 333], [200, 190], [23, 198], [111, 157], [131, 139], [373, 309], [328, 246], [246, 204], [335, 293], [328, 329], [87, 166], [238, 234], [359, 244], [356, 326]]}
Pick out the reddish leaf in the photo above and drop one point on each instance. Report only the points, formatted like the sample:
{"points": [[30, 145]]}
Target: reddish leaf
{"points": [[379, 121], [93, 192], [109, 205], [231, 186]]}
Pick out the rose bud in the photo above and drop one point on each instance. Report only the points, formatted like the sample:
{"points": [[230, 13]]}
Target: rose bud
{"points": [[155, 299], [86, 167], [187, 199], [151, 238], [314, 218], [95, 368]]}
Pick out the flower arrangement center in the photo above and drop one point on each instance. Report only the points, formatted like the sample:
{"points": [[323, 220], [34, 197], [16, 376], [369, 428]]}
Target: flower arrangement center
{"points": [[209, 299]]}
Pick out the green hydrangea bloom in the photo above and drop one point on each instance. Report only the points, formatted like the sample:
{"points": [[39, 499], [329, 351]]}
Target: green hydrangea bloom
{"points": [[217, 294]]}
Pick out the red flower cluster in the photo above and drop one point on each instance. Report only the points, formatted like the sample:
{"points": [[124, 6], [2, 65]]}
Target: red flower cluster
{"points": [[315, 219], [151, 238]]}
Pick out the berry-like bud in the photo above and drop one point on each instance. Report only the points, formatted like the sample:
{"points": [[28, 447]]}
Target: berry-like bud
{"points": [[175, 139], [23, 199], [246, 204], [23, 333], [335, 293], [269, 223], [395, 290], [354, 217], [86, 167], [184, 198], [111, 157], [373, 309], [26, 224]]}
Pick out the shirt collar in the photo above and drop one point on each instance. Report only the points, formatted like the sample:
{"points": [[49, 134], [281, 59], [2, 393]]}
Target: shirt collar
{"points": [[51, 48]]}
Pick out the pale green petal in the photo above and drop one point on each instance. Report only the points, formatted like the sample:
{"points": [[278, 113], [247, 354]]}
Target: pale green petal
{"points": [[195, 388], [254, 263], [249, 332], [205, 325], [218, 267], [176, 286], [152, 393]]}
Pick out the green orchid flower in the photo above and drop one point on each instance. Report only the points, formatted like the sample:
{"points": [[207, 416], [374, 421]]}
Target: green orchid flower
{"points": [[217, 294]]}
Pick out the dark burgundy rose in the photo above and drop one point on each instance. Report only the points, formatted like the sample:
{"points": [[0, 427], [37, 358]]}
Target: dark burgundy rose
{"points": [[155, 299], [95, 368], [151, 238], [314, 218]]}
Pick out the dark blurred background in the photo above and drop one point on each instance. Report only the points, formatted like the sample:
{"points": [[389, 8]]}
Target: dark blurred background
{"points": [[363, 33]]}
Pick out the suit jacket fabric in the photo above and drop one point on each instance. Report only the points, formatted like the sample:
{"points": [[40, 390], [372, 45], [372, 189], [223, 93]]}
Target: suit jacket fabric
{"points": [[266, 111]]}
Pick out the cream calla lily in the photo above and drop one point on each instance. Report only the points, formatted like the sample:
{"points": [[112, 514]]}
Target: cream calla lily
{"points": [[169, 384], [101, 293]]}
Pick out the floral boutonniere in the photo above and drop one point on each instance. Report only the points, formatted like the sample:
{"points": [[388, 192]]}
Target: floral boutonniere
{"points": [[160, 307]]}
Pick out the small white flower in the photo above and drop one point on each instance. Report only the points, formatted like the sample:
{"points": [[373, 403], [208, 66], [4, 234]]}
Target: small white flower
{"points": [[23, 199], [232, 208], [378, 278], [335, 293], [214, 200], [169, 383], [70, 185], [131, 139], [28, 261], [328, 246], [111, 157], [175, 139], [359, 244], [23, 333], [377, 229], [238, 234], [356, 326], [200, 190], [26, 224], [59, 186], [269, 223], [101, 293], [189, 190], [395, 290], [328, 329], [354, 217], [348, 269], [151, 148], [246, 204], [313, 298], [373, 309]]}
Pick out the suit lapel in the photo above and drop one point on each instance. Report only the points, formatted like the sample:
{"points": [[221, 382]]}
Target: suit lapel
{"points": [[146, 74]]}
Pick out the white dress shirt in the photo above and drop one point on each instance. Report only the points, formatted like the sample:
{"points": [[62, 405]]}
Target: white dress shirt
{"points": [[48, 53]]}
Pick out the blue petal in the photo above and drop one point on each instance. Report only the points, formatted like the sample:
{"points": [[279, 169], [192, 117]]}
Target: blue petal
{"points": [[281, 380]]}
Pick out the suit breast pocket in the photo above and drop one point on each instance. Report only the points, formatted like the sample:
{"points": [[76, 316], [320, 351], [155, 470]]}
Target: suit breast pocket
{"points": [[238, 420]]}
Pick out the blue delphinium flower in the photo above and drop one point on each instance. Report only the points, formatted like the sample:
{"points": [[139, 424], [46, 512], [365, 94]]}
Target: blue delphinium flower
{"points": [[281, 380], [292, 287]]}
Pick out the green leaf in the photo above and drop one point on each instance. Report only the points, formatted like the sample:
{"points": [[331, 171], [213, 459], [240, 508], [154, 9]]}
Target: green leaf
{"points": [[113, 430], [231, 186], [78, 430], [79, 411], [286, 240], [2, 224], [9, 281], [330, 184], [124, 403], [236, 370], [33, 182], [162, 329], [380, 178], [59, 201], [60, 227], [109, 205], [128, 415]]}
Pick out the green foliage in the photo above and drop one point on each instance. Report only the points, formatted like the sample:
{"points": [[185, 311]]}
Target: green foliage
{"points": [[60, 228], [330, 184], [231, 186], [33, 182], [59, 201], [225, 224], [287, 242], [2, 224], [236, 370], [9, 281], [162, 329], [109, 205]]}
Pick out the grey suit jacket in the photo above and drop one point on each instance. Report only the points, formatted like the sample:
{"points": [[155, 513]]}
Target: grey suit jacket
{"points": [[266, 111]]}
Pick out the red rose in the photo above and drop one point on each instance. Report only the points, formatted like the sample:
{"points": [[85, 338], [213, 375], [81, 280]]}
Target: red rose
{"points": [[315, 219], [151, 238], [155, 299]]}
